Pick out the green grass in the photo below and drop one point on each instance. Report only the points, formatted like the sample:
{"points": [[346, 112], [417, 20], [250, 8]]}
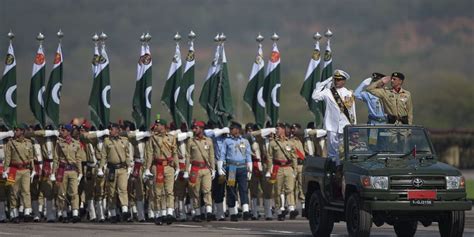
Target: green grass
{"points": [[470, 188]]}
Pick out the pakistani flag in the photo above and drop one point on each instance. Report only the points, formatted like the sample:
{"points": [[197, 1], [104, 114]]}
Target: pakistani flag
{"points": [[170, 92], [311, 78], [272, 85], [205, 97], [185, 88], [99, 100], [142, 96], [8, 90], [221, 97], [253, 95], [37, 87], [53, 90], [327, 67]]}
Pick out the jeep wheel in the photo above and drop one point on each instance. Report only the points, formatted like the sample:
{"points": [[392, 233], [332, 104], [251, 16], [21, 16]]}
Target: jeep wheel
{"points": [[452, 224], [358, 220], [405, 228], [321, 221]]}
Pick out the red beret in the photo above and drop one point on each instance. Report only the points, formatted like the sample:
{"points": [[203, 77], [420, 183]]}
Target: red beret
{"points": [[199, 124]]}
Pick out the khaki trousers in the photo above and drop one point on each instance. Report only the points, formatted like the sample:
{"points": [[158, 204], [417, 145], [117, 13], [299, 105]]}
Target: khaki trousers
{"points": [[202, 187], [118, 186], [69, 187], [21, 187], [285, 184]]}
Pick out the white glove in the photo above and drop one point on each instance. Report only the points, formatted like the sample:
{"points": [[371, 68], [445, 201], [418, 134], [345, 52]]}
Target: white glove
{"points": [[190, 134], [51, 133], [268, 175], [186, 175], [140, 135], [4, 135], [213, 174], [102, 133], [267, 131], [294, 174], [249, 170], [147, 174], [5, 175], [174, 132], [176, 174], [259, 165], [32, 176], [182, 136], [100, 173], [129, 171], [220, 168], [52, 178], [79, 178], [219, 132]]}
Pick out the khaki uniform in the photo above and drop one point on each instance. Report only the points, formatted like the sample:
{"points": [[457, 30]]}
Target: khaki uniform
{"points": [[281, 154], [299, 193], [162, 158], [135, 183], [19, 158], [115, 154], [3, 187], [181, 184], [396, 104], [200, 157], [67, 159]]}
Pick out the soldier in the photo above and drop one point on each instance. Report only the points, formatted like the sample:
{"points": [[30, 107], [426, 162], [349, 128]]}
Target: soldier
{"points": [[162, 156], [282, 170], [18, 165], [257, 179], [181, 185], [300, 155], [200, 163], [340, 110], [115, 154], [396, 100], [236, 154], [4, 135], [374, 106], [67, 172]]}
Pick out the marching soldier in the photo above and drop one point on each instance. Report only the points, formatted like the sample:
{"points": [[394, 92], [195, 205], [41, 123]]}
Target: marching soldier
{"points": [[162, 156], [4, 135], [257, 179], [282, 165], [67, 172], [200, 163], [396, 100], [374, 105], [115, 154], [18, 165], [300, 155], [236, 154], [181, 188]]}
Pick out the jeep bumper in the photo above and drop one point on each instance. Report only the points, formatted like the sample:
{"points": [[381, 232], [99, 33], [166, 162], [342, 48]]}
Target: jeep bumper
{"points": [[405, 205]]}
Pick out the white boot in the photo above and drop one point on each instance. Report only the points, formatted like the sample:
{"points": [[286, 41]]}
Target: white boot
{"points": [[255, 207], [3, 217], [27, 212], [91, 210], [140, 211], [151, 214], [50, 212], [14, 213], [267, 205], [208, 209]]}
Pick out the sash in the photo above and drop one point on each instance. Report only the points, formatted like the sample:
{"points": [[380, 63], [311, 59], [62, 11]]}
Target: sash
{"points": [[231, 178], [299, 153], [46, 169], [341, 104], [136, 169], [160, 174], [11, 176], [37, 168], [182, 167], [193, 175], [273, 178], [60, 172]]}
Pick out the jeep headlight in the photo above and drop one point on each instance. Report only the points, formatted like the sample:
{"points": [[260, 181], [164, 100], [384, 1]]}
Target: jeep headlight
{"points": [[454, 182], [375, 182]]}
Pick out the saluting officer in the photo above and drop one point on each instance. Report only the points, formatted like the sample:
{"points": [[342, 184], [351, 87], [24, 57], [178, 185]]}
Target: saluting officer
{"points": [[396, 100], [115, 153], [67, 170], [162, 156], [374, 105], [200, 171]]}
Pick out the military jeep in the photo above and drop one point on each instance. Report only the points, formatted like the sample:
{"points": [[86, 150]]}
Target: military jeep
{"points": [[390, 174]]}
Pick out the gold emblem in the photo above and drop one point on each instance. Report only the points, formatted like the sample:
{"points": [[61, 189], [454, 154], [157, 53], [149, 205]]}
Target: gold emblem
{"points": [[275, 57], [316, 55], [95, 59], [10, 59], [190, 56], [39, 59], [327, 55], [145, 59]]}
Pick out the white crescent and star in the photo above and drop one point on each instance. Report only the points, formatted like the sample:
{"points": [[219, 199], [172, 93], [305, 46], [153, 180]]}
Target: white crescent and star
{"points": [[189, 93], [40, 96], [274, 95], [8, 96], [55, 93], [260, 99], [104, 96], [147, 97]]}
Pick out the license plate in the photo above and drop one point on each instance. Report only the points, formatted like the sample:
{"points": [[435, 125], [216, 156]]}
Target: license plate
{"points": [[421, 202], [422, 194]]}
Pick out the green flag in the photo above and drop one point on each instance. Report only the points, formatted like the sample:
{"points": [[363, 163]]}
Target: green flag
{"points": [[8, 90], [185, 88], [271, 86], [311, 78], [53, 89], [99, 100], [222, 101], [253, 95], [142, 96], [170, 95], [37, 87], [207, 88]]}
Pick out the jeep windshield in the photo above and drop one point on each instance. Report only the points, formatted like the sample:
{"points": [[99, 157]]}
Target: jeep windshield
{"points": [[393, 141]]}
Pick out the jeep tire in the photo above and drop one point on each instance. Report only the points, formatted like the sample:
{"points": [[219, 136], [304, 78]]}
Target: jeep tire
{"points": [[321, 221], [358, 219], [405, 228], [452, 224]]}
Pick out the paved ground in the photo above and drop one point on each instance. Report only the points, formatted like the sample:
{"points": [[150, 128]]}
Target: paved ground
{"points": [[299, 227]]}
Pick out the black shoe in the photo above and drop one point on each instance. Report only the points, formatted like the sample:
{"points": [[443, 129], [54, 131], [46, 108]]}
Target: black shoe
{"points": [[285, 212], [197, 219], [170, 219], [158, 221], [125, 216], [3, 221], [36, 220], [113, 219], [76, 219], [65, 220], [101, 221], [253, 218], [222, 219], [60, 219], [203, 217], [142, 221], [93, 220], [210, 217], [50, 221], [293, 214], [234, 218], [269, 219], [303, 213], [247, 216], [27, 218], [16, 220], [281, 217]]}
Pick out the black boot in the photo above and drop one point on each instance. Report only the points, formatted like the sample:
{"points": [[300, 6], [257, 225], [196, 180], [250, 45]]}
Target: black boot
{"points": [[158, 221], [197, 219], [234, 218], [281, 217], [210, 217], [293, 214], [247, 216], [75, 219], [170, 219]]}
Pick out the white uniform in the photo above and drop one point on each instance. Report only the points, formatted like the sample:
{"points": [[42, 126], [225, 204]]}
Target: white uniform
{"points": [[334, 118]]}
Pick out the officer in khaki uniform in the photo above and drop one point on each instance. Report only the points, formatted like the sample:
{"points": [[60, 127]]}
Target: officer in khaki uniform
{"points": [[200, 165], [282, 165], [67, 172], [115, 154], [162, 158], [18, 164], [4, 135], [181, 185], [396, 100], [300, 155]]}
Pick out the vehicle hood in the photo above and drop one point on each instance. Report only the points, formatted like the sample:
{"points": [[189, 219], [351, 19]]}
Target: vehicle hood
{"points": [[404, 167]]}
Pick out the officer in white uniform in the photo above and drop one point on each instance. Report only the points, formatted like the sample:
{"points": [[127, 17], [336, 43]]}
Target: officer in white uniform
{"points": [[340, 109]]}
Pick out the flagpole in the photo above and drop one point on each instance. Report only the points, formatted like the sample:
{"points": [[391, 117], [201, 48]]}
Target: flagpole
{"points": [[220, 63]]}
